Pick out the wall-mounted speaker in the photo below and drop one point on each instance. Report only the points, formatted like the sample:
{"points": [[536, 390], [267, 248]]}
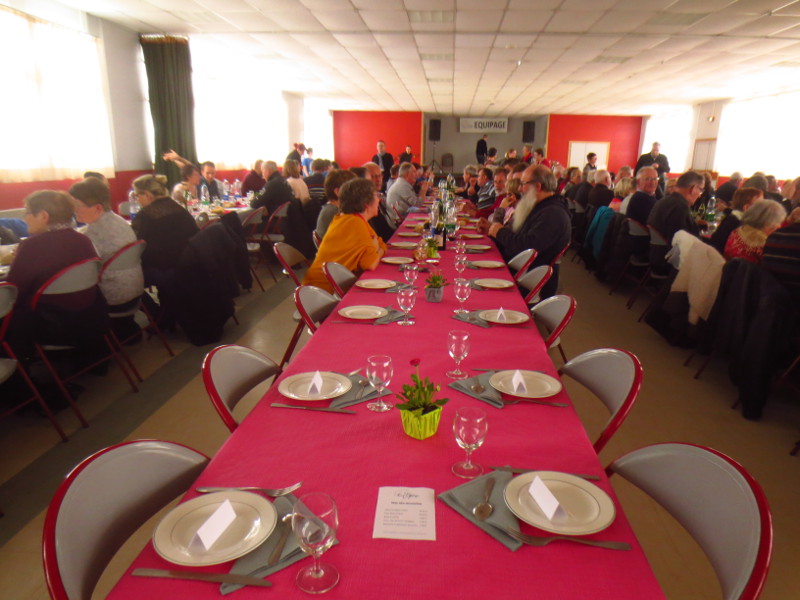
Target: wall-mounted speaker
{"points": [[528, 132], [435, 130]]}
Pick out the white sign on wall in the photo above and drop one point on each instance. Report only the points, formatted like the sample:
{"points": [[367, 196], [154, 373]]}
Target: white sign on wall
{"points": [[482, 125]]}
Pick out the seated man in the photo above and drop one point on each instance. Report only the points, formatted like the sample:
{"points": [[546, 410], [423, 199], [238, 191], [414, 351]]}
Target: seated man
{"points": [[484, 196], [393, 174], [499, 183], [315, 182], [385, 222], [601, 194], [253, 181], [541, 221], [726, 190], [643, 200], [781, 255], [275, 192], [402, 196], [216, 189], [673, 213]]}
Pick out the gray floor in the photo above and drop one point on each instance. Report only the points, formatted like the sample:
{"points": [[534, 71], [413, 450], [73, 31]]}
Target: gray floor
{"points": [[672, 407]]}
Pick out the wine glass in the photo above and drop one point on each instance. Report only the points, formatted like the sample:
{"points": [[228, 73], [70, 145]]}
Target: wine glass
{"points": [[411, 272], [458, 347], [460, 263], [315, 520], [461, 246], [379, 373], [462, 290], [469, 426], [406, 299]]}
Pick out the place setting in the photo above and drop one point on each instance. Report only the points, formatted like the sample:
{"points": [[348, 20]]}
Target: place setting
{"points": [[485, 264], [501, 388]]}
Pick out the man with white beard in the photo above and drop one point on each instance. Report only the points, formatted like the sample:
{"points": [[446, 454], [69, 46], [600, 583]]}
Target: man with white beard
{"points": [[541, 221]]}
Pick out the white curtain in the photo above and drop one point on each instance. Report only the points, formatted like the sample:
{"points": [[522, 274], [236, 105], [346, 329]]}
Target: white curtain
{"points": [[760, 135], [55, 117], [318, 124], [673, 130], [240, 114]]}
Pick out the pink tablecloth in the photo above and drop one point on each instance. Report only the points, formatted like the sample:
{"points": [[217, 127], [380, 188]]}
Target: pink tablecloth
{"points": [[350, 457]]}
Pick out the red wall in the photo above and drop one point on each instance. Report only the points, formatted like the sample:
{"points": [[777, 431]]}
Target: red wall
{"points": [[623, 133], [355, 134]]}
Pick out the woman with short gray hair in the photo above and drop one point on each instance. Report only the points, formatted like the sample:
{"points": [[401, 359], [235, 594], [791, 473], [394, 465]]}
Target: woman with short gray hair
{"points": [[761, 219]]}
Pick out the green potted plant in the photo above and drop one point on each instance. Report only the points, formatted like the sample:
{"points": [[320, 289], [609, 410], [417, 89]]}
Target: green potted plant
{"points": [[434, 285], [432, 247], [419, 412]]}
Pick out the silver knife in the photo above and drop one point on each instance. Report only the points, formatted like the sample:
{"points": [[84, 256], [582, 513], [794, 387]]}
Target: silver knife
{"points": [[334, 410], [196, 576], [278, 550], [518, 470]]}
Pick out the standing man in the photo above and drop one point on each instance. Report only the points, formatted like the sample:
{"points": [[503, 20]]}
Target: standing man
{"points": [[658, 161], [591, 165], [406, 156], [482, 149], [385, 161]]}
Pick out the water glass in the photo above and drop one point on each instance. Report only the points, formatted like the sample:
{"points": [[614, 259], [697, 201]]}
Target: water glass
{"points": [[460, 263], [315, 520], [461, 246], [406, 299], [469, 426], [379, 374], [411, 272], [458, 347], [462, 290]]}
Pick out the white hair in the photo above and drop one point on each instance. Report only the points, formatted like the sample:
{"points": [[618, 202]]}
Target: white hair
{"points": [[523, 209]]}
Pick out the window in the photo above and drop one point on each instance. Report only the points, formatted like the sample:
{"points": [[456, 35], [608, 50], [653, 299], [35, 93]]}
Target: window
{"points": [[55, 123], [673, 130]]}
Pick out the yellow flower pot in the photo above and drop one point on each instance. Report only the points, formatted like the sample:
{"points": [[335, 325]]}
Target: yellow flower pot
{"points": [[421, 427]]}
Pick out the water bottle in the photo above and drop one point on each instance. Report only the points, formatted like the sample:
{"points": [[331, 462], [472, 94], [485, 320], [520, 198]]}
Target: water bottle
{"points": [[237, 190], [711, 212], [226, 190], [205, 198], [133, 204]]}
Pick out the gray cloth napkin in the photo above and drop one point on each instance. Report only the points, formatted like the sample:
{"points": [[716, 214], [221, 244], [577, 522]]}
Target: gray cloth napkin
{"points": [[476, 286], [397, 287], [255, 562], [351, 397], [394, 315], [464, 497], [473, 319], [489, 395]]}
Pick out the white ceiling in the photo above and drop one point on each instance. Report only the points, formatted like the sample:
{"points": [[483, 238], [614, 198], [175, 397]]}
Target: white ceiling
{"points": [[496, 58]]}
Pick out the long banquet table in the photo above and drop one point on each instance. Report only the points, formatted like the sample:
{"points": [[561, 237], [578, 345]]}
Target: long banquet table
{"points": [[350, 457]]}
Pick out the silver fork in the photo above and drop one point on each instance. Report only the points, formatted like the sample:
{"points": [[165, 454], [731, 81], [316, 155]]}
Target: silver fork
{"points": [[266, 491], [535, 540]]}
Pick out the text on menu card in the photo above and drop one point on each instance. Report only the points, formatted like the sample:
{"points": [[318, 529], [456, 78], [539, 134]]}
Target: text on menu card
{"points": [[405, 513]]}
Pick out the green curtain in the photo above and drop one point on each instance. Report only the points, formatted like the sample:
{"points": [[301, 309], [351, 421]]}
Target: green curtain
{"points": [[169, 77]]}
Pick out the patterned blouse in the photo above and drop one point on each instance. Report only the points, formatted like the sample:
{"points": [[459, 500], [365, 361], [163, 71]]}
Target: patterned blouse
{"points": [[747, 243], [108, 234]]}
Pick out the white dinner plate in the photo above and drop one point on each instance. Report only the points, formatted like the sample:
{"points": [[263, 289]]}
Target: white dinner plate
{"points": [[474, 220], [587, 508], [471, 236], [478, 247], [413, 224], [405, 245], [537, 385], [375, 284], [469, 227], [513, 317], [408, 234], [363, 312], [296, 386], [487, 264], [495, 284], [4, 270], [397, 260], [175, 536]]}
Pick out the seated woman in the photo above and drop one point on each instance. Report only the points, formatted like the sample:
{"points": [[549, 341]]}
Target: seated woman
{"points": [[109, 232], [291, 171], [743, 198], [166, 227], [190, 180], [760, 220], [52, 246], [350, 241], [333, 182]]}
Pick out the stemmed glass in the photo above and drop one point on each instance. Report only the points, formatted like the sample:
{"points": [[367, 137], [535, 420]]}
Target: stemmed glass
{"points": [[410, 273], [406, 299], [460, 263], [458, 347], [470, 426], [379, 373], [461, 246], [462, 290], [315, 520]]}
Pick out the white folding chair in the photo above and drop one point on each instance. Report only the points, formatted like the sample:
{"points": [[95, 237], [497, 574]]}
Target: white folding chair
{"points": [[11, 364], [125, 258], [229, 372], [102, 502], [533, 281], [340, 277], [717, 501], [615, 377], [554, 314], [521, 262], [289, 257], [314, 305]]}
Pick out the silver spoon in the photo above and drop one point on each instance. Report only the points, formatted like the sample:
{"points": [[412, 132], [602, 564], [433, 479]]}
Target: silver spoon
{"points": [[484, 509]]}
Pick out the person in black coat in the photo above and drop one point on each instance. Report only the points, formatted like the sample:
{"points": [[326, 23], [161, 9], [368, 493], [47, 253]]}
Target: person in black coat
{"points": [[482, 149], [276, 192], [385, 161]]}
